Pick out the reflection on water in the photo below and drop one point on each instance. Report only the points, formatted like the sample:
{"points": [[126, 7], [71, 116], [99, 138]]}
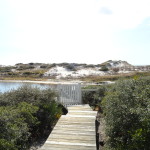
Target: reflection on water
{"points": [[7, 86]]}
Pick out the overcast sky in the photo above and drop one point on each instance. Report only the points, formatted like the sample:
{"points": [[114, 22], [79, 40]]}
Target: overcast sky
{"points": [[74, 31]]}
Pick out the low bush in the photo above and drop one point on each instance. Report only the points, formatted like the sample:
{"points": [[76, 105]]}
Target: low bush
{"points": [[115, 69], [25, 66], [33, 74], [16, 123], [26, 114], [5, 69], [71, 67], [104, 68], [126, 108], [93, 97]]}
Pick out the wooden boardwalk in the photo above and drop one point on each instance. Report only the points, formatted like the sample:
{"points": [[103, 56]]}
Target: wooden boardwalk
{"points": [[74, 131]]}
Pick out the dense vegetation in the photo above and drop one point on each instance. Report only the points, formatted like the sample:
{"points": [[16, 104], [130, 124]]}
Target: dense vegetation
{"points": [[26, 114], [125, 107], [127, 114], [93, 97]]}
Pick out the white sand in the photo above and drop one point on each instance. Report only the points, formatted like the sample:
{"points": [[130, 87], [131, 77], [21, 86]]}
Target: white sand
{"points": [[61, 72]]}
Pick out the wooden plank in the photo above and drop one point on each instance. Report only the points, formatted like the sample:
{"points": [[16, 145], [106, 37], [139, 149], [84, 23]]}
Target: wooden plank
{"points": [[66, 147], [74, 131], [75, 136], [79, 107], [72, 141]]}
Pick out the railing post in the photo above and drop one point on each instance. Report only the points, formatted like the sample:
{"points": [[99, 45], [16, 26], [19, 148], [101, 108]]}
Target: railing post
{"points": [[80, 93], [96, 133]]}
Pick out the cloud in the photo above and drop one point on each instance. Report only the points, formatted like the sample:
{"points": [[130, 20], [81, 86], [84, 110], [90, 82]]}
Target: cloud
{"points": [[148, 21], [125, 14], [70, 30], [106, 11]]}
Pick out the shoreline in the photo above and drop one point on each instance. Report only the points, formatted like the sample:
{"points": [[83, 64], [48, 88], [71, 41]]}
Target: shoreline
{"points": [[43, 82], [52, 82]]}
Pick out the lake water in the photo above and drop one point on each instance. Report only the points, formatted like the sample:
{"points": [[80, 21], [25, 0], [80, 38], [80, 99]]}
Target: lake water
{"points": [[7, 86]]}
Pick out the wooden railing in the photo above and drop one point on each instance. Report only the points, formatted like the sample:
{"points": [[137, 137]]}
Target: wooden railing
{"points": [[69, 94]]}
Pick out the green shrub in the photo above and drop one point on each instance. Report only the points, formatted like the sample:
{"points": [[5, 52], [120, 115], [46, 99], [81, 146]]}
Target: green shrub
{"points": [[127, 114], [88, 97], [104, 68], [25, 67], [5, 145], [26, 114], [44, 66], [71, 67], [115, 69], [94, 97], [13, 127], [5, 69]]}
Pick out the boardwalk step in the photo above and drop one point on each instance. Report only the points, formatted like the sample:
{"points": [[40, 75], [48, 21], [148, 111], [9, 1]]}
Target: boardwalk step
{"points": [[74, 131], [66, 147]]}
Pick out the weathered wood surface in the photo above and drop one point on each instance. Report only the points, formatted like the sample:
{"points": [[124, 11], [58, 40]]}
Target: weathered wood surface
{"points": [[69, 94], [74, 131]]}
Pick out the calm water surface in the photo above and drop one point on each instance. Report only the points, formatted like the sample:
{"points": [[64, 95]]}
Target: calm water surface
{"points": [[7, 86]]}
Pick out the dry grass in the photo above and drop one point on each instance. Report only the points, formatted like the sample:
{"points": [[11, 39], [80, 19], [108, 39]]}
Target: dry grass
{"points": [[23, 78], [115, 77], [37, 76]]}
